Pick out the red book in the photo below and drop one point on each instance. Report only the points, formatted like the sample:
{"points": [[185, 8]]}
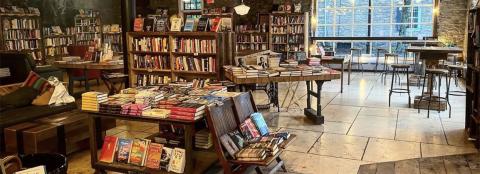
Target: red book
{"points": [[108, 149], [188, 107], [138, 24], [181, 117], [154, 155], [215, 24], [252, 128], [186, 114]]}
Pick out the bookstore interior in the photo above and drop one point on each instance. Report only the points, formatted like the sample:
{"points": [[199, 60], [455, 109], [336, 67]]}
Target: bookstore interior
{"points": [[239, 86]]}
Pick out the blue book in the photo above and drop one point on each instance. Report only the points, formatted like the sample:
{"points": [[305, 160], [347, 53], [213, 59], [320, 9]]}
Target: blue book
{"points": [[258, 120], [123, 150]]}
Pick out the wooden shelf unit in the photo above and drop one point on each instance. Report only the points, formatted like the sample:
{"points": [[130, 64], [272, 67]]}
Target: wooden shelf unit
{"points": [[472, 77], [87, 28], [222, 43], [285, 36], [246, 41], [10, 44], [115, 40], [53, 50]]}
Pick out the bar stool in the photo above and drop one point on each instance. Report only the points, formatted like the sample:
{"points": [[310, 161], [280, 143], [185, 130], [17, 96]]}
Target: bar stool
{"points": [[430, 74], [395, 71], [385, 64], [455, 70], [352, 53], [378, 56]]}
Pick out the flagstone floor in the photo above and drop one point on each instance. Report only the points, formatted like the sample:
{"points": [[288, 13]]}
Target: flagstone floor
{"points": [[360, 128]]}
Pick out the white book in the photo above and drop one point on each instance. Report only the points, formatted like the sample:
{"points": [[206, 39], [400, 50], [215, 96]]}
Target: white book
{"points": [[177, 161], [35, 170]]}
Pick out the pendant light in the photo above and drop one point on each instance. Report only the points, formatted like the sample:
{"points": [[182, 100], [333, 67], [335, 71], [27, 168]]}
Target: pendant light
{"points": [[242, 9]]}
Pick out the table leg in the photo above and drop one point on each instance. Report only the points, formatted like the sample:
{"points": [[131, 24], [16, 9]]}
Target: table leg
{"points": [[189, 148], [70, 81], [341, 78], [349, 70], [312, 114], [95, 129], [273, 95]]}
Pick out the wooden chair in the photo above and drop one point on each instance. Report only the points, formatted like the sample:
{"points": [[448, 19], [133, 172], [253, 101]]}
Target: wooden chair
{"points": [[221, 120], [10, 164]]}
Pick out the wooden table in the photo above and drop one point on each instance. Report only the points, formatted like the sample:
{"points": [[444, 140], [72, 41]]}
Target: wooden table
{"points": [[341, 60], [104, 67], [315, 115], [199, 164]]}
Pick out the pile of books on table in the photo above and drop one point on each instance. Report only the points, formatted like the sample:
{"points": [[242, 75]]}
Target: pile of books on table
{"points": [[142, 152], [115, 105], [148, 97], [289, 63], [187, 111], [296, 72], [134, 109], [313, 61], [203, 139], [91, 100]]}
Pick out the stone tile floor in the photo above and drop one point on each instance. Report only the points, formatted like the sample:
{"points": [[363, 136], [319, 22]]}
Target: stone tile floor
{"points": [[359, 129]]}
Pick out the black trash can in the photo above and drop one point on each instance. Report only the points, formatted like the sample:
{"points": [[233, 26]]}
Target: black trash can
{"points": [[55, 163]]}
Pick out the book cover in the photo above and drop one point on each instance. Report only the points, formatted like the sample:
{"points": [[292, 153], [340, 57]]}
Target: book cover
{"points": [[189, 24], [123, 150], [176, 24], [165, 160], [108, 149], [154, 155], [148, 24], [35, 170], [161, 25], [187, 114], [229, 145], [251, 128], [245, 132], [226, 24], [177, 162], [260, 123], [138, 152], [188, 107], [215, 24], [138, 24], [202, 24]]}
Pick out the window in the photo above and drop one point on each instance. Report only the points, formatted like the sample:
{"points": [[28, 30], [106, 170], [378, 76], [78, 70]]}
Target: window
{"points": [[192, 5]]}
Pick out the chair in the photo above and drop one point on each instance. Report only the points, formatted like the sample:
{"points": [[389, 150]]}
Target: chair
{"points": [[378, 56], [78, 74], [221, 120], [359, 54], [386, 69], [430, 74], [395, 71], [10, 164], [455, 70], [244, 106]]}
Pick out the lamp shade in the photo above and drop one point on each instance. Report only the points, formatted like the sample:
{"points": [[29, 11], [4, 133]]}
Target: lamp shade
{"points": [[242, 9]]}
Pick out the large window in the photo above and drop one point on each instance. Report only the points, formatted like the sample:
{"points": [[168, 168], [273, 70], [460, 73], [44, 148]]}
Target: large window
{"points": [[192, 5], [374, 18]]}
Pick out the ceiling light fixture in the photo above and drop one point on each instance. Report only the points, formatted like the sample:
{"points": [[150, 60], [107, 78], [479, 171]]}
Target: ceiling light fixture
{"points": [[242, 9]]}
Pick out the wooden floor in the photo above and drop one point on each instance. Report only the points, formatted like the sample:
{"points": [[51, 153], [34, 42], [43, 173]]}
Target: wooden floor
{"points": [[461, 164]]}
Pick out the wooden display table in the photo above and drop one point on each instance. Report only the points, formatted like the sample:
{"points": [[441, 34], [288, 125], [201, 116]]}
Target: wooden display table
{"points": [[339, 60], [196, 161], [314, 115], [103, 67]]}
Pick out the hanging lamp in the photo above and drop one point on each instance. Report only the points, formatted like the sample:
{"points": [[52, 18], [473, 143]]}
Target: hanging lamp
{"points": [[242, 9]]}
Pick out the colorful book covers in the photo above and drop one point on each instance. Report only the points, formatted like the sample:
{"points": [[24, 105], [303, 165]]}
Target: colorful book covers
{"points": [[177, 162], [138, 152], [154, 155], [260, 123], [123, 150], [108, 149]]}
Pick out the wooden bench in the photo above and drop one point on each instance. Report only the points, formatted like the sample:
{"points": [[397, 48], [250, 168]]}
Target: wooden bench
{"points": [[221, 121]]}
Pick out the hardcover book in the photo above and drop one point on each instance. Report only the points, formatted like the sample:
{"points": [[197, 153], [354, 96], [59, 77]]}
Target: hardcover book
{"points": [[34, 170], [161, 25], [202, 24], [189, 24], [176, 24], [154, 155], [229, 145], [138, 152], [108, 149], [166, 156], [215, 24], [245, 132], [251, 128], [260, 123], [177, 162], [188, 107], [148, 24], [123, 150], [138, 24]]}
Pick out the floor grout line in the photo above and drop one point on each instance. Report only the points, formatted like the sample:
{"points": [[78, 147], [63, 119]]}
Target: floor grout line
{"points": [[365, 150]]}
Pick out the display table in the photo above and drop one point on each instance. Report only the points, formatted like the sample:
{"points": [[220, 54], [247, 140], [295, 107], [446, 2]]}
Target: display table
{"points": [[199, 164], [314, 115], [339, 60], [103, 67]]}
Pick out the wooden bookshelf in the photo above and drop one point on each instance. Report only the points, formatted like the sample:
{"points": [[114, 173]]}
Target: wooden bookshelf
{"points": [[165, 58], [56, 44], [87, 28], [472, 76], [23, 36], [112, 35], [252, 40], [289, 34]]}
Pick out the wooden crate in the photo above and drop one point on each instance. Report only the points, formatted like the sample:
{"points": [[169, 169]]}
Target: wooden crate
{"points": [[40, 139], [13, 137]]}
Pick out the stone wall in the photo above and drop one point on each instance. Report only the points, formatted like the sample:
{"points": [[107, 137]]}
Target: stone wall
{"points": [[452, 21]]}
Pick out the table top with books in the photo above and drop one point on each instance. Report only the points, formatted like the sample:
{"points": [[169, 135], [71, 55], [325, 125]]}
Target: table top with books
{"points": [[114, 65], [175, 102], [286, 72]]}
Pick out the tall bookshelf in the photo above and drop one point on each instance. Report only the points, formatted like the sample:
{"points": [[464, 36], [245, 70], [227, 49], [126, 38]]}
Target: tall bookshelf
{"points": [[113, 36], [56, 43], [289, 35], [88, 27], [472, 78], [252, 40], [21, 32], [174, 56]]}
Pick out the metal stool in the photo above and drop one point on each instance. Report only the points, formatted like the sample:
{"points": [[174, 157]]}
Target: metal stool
{"points": [[359, 64], [395, 68], [385, 64], [430, 74], [454, 70], [378, 56]]}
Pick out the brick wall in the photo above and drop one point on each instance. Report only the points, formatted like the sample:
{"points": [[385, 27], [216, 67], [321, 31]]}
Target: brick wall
{"points": [[452, 21]]}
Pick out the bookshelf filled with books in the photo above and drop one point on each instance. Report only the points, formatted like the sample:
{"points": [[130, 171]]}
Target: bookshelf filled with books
{"points": [[56, 40], [21, 31], [472, 78], [112, 34], [289, 35], [88, 27], [161, 57], [252, 40]]}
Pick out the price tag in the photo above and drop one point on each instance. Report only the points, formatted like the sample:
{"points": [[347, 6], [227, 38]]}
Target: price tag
{"points": [[195, 54]]}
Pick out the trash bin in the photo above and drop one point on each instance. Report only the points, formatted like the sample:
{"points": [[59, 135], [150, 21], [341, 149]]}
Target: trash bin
{"points": [[54, 163]]}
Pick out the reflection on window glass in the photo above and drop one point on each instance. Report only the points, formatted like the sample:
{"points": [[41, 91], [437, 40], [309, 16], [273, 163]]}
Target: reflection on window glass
{"points": [[192, 4]]}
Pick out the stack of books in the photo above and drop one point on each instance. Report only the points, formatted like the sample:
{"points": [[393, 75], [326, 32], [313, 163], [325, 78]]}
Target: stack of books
{"points": [[307, 72], [148, 97], [4, 72], [203, 139], [156, 113], [289, 63], [251, 73], [91, 100], [134, 109], [251, 154], [285, 73], [187, 111], [296, 72], [114, 105], [313, 61], [263, 73]]}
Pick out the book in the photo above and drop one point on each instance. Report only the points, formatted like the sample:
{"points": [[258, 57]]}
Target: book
{"points": [[188, 107], [229, 145], [138, 24], [148, 24], [226, 24], [176, 24], [215, 24], [166, 156], [177, 162], [108, 149], [123, 150], [252, 128], [189, 24], [202, 24], [260, 123], [138, 152], [237, 138], [35, 170], [161, 25], [245, 132], [154, 155]]}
